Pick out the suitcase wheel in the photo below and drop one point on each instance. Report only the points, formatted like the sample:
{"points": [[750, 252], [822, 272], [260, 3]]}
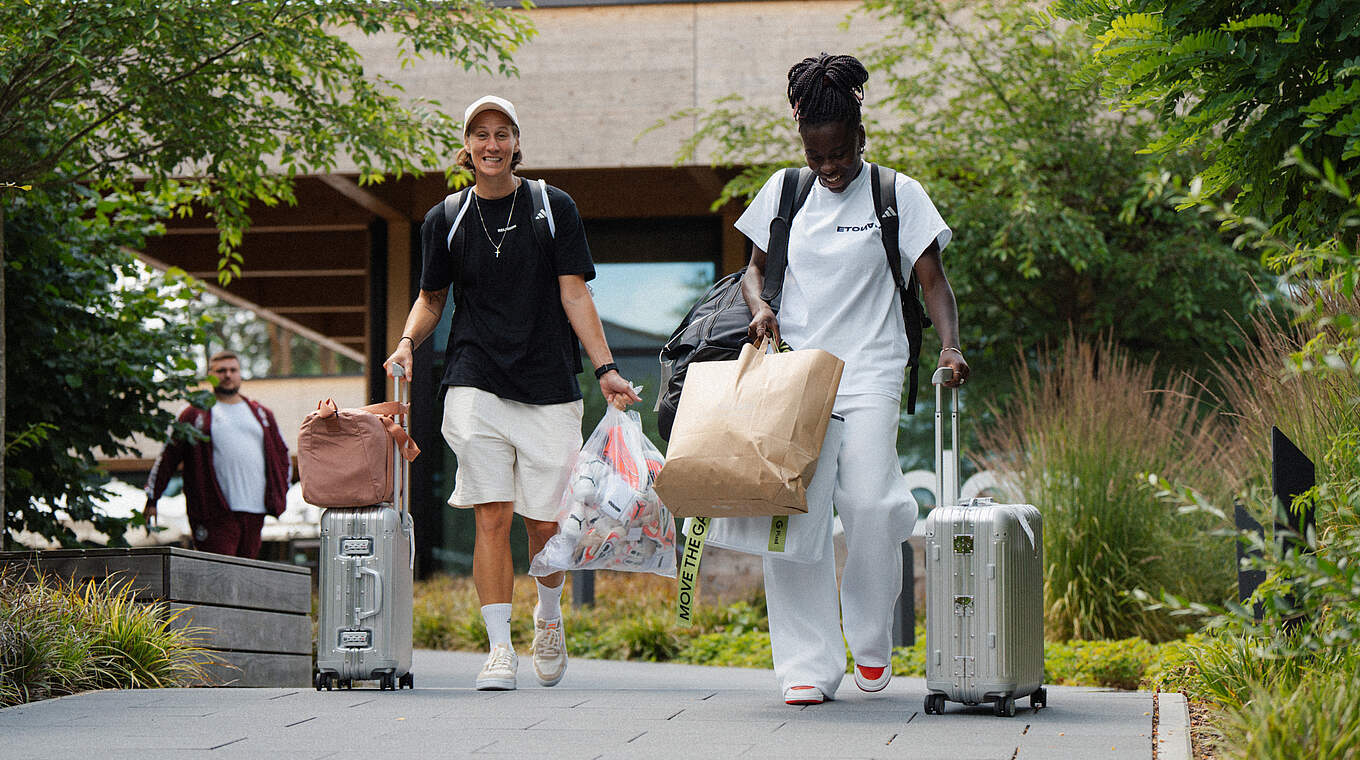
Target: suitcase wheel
{"points": [[1004, 706], [934, 704], [324, 680], [1039, 698], [386, 682], [317, 680], [408, 681]]}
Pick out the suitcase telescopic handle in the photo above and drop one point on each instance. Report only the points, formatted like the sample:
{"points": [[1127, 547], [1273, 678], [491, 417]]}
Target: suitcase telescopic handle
{"points": [[401, 392], [951, 496]]}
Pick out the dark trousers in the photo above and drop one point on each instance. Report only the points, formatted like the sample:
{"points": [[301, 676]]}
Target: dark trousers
{"points": [[238, 534]]}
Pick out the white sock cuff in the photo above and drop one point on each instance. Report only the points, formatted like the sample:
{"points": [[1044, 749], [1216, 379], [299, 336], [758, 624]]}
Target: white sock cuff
{"points": [[497, 619], [549, 600]]}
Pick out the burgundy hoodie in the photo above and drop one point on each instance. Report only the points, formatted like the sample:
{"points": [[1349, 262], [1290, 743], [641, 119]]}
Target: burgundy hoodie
{"points": [[202, 494]]}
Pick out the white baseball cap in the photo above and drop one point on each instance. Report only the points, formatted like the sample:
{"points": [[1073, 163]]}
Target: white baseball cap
{"points": [[489, 103]]}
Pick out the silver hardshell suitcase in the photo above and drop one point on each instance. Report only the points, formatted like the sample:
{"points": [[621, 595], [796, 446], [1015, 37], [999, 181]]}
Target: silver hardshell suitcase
{"points": [[984, 592], [367, 563]]}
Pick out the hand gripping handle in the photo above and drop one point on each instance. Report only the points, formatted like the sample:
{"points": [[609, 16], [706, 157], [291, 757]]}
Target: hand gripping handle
{"points": [[943, 496]]}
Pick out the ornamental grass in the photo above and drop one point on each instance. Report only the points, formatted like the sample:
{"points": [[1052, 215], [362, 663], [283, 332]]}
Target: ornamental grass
{"points": [[58, 637], [1077, 439]]}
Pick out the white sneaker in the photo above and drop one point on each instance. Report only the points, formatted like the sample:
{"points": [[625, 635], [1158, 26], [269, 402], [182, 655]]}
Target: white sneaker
{"points": [[803, 695], [498, 674], [550, 650], [872, 679]]}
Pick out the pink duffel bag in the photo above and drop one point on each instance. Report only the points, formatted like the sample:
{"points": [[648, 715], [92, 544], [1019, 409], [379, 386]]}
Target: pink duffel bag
{"points": [[345, 456]]}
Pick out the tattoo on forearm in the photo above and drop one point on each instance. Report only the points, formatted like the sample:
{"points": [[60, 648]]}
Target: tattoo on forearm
{"points": [[434, 301]]}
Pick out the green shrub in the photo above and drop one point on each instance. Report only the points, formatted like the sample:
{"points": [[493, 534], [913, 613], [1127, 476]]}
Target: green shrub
{"points": [[60, 638], [633, 619], [1288, 684], [1113, 664], [649, 637], [747, 649], [1175, 666], [911, 661], [1074, 441]]}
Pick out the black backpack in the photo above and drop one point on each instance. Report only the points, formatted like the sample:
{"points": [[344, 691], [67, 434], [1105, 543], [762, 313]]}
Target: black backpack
{"points": [[715, 327]]}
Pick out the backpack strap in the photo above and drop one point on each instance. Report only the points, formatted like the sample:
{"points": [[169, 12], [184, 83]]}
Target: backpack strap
{"points": [[455, 207], [545, 234], [543, 215], [884, 183], [793, 193]]}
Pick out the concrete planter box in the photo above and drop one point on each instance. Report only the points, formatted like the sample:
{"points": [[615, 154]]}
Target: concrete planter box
{"points": [[259, 612]]}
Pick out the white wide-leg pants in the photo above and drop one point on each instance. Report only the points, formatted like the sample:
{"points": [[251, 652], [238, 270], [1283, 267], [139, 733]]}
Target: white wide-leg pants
{"points": [[878, 512]]}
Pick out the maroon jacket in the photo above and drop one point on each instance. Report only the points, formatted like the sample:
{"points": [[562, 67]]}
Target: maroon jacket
{"points": [[202, 495]]}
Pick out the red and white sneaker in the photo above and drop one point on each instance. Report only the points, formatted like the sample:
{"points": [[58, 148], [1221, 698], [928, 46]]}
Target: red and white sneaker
{"points": [[803, 695], [872, 679]]}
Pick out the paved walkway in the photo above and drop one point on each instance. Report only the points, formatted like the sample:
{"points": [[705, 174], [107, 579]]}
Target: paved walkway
{"points": [[638, 711]]}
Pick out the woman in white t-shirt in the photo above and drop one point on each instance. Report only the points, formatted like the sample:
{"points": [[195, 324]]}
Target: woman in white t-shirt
{"points": [[838, 295]]}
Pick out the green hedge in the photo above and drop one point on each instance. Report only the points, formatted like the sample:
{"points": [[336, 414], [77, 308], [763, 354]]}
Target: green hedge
{"points": [[634, 619]]}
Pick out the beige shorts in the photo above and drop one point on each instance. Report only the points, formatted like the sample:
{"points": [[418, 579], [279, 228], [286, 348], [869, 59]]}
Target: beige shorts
{"points": [[510, 451]]}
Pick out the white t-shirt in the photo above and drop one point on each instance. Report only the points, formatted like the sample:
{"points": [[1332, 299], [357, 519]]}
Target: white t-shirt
{"points": [[838, 293], [238, 456]]}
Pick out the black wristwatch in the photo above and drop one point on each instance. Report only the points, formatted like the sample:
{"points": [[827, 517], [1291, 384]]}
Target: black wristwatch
{"points": [[603, 368]]}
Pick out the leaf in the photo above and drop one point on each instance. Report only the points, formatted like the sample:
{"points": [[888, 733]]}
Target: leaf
{"points": [[1257, 21], [1334, 99]]}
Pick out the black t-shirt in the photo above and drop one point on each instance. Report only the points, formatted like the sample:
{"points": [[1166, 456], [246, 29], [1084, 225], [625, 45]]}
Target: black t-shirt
{"points": [[510, 335]]}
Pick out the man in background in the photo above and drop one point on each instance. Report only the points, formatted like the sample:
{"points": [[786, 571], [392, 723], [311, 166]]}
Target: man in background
{"points": [[232, 478]]}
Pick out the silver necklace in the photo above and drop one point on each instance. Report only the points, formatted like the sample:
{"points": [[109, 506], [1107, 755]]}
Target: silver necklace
{"points": [[504, 230]]}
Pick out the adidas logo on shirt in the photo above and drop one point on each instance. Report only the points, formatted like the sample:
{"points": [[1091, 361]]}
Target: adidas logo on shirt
{"points": [[888, 213], [541, 214]]}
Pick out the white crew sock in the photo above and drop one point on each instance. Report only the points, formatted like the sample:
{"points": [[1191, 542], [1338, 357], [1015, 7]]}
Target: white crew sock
{"points": [[497, 619], [549, 601]]}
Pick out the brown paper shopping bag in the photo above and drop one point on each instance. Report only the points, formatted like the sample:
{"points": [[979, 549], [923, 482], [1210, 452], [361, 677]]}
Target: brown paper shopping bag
{"points": [[747, 434]]}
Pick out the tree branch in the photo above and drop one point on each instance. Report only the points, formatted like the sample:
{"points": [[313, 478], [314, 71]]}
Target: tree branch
{"points": [[55, 157], [977, 65]]}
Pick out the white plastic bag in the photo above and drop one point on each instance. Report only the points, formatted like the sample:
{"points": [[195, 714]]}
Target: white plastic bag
{"points": [[609, 516]]}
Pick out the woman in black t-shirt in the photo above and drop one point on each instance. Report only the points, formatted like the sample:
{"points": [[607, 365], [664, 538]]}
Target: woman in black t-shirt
{"points": [[512, 407]]}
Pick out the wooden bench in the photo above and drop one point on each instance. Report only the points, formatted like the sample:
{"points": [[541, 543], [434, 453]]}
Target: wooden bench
{"points": [[259, 612]]}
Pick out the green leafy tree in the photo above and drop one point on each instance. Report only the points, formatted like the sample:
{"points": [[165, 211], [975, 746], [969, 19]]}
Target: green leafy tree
{"points": [[1271, 93], [1059, 224], [225, 108], [1240, 81], [91, 346], [174, 107]]}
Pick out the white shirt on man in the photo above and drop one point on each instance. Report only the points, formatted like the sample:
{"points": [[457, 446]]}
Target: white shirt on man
{"points": [[238, 456], [838, 294]]}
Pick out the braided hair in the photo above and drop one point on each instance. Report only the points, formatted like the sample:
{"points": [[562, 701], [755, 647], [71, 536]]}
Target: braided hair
{"points": [[827, 88]]}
